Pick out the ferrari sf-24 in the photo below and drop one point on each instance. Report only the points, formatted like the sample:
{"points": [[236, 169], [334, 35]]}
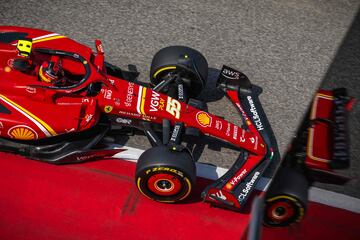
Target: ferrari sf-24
{"points": [[60, 102]]}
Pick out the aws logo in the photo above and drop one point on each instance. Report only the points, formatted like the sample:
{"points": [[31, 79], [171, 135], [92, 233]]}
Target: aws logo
{"points": [[22, 132], [204, 119], [230, 74]]}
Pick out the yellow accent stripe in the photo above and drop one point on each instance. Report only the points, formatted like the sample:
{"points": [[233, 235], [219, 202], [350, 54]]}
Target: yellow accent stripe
{"points": [[311, 130], [166, 201], [163, 69], [325, 96], [281, 196], [188, 192], [51, 131], [138, 185], [48, 39], [143, 96]]}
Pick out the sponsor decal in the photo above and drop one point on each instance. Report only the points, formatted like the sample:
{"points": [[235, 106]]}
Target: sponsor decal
{"points": [[173, 107], [256, 142], [255, 116], [107, 93], [100, 48], [340, 136], [204, 119], [245, 191], [117, 101], [218, 124], [85, 157], [22, 132], [31, 90], [85, 100], [156, 103], [123, 121], [219, 194], [236, 179], [230, 74], [181, 91], [228, 130], [10, 62], [243, 114], [162, 104], [108, 108], [242, 137], [130, 114], [147, 118], [88, 117], [252, 140], [112, 81], [235, 133], [1, 125], [129, 95], [175, 133]]}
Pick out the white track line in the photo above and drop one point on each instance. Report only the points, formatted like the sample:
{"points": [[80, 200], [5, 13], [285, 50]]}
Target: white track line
{"points": [[334, 199]]}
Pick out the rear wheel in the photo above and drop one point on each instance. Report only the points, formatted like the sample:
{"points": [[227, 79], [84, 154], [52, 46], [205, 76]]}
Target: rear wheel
{"points": [[189, 64], [165, 175], [287, 198]]}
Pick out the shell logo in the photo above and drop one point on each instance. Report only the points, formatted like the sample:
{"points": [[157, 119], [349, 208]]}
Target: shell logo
{"points": [[203, 119], [22, 132]]}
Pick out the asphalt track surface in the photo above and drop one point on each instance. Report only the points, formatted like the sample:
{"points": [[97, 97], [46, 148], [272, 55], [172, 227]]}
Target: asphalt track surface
{"points": [[288, 47]]}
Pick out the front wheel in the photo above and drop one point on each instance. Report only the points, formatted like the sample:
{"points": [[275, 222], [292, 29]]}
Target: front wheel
{"points": [[184, 62], [287, 198], [164, 175]]}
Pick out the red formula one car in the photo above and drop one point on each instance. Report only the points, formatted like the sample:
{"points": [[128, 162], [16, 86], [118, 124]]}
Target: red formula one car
{"points": [[60, 102]]}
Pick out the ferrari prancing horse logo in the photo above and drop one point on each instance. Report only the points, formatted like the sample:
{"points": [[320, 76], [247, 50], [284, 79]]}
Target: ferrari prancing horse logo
{"points": [[108, 109]]}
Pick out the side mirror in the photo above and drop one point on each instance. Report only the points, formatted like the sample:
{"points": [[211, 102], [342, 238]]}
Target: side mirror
{"points": [[99, 57]]}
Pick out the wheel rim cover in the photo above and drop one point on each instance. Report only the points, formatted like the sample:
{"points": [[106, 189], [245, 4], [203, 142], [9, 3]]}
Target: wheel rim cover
{"points": [[164, 184]]}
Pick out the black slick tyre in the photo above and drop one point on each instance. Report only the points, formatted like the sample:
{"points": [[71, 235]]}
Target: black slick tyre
{"points": [[287, 198], [180, 59], [165, 175]]}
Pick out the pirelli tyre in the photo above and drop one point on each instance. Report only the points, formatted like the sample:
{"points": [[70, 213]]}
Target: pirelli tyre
{"points": [[190, 63], [164, 175], [287, 198]]}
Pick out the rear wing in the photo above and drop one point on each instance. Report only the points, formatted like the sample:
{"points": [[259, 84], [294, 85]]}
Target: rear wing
{"points": [[328, 141]]}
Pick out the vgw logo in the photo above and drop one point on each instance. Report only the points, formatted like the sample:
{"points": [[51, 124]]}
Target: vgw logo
{"points": [[156, 102]]}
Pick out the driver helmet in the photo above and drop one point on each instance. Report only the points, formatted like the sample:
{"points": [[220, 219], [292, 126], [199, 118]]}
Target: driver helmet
{"points": [[50, 72]]}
